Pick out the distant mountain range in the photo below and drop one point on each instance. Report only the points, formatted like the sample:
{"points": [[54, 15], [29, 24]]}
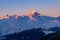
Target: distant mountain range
{"points": [[14, 23]]}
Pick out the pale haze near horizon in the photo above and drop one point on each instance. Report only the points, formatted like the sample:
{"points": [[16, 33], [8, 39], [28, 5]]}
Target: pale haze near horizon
{"points": [[45, 7]]}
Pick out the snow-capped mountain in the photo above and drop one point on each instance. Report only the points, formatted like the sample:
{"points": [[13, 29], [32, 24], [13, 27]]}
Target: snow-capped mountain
{"points": [[14, 23], [54, 23]]}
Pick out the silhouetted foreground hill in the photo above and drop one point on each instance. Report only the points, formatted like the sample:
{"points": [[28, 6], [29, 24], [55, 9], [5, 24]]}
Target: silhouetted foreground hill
{"points": [[33, 34], [52, 36]]}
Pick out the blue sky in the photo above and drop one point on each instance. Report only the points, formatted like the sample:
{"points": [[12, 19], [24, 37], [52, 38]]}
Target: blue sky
{"points": [[46, 7]]}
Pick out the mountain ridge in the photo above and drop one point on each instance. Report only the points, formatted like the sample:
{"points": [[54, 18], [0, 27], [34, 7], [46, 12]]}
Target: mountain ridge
{"points": [[31, 14], [14, 23]]}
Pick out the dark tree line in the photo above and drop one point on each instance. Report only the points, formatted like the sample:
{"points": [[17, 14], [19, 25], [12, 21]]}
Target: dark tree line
{"points": [[33, 34]]}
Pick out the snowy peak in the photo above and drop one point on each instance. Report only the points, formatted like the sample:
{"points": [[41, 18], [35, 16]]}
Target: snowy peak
{"points": [[4, 17], [34, 13]]}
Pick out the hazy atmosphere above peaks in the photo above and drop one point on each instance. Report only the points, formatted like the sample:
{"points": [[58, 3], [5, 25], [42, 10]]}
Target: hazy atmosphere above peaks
{"points": [[46, 7]]}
